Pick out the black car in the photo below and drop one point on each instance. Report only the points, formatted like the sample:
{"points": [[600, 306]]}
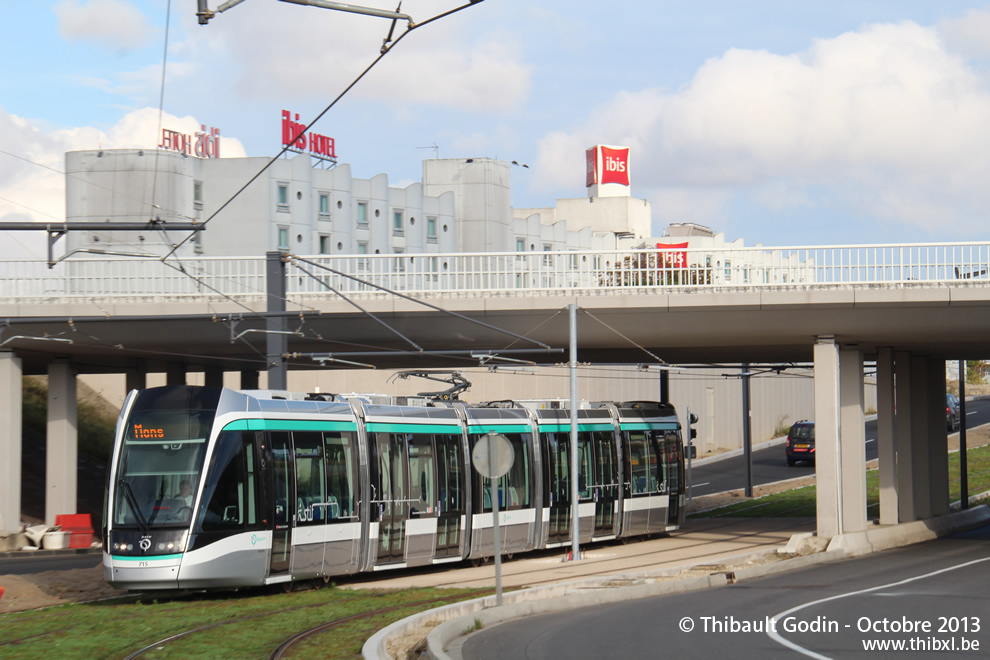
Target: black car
{"points": [[801, 442], [951, 412]]}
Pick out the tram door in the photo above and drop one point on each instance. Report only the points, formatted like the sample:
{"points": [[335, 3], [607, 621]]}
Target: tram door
{"points": [[283, 497], [605, 482], [391, 497], [450, 497], [558, 489]]}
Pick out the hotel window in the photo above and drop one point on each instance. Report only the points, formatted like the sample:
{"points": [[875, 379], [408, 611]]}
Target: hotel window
{"points": [[362, 214], [283, 197], [434, 268], [197, 195], [431, 229], [283, 238], [520, 245], [362, 248], [324, 204], [547, 259], [324, 244], [399, 262], [397, 227]]}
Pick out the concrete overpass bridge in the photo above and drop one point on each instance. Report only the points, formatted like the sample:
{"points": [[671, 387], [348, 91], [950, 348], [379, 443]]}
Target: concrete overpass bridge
{"points": [[909, 307]]}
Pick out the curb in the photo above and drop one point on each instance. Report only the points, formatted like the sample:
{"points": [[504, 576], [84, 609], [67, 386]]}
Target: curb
{"points": [[459, 619]]}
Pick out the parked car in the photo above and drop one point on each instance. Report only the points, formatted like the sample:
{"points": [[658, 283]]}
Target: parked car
{"points": [[952, 420], [801, 442]]}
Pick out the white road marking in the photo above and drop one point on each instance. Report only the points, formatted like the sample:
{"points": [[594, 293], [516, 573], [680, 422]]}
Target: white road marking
{"points": [[775, 636]]}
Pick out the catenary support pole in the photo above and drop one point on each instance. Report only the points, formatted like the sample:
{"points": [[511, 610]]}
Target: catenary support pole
{"points": [[575, 518], [963, 469], [747, 437], [277, 343]]}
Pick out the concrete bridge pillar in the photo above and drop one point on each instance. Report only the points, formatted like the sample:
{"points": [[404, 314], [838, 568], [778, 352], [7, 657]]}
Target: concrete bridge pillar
{"points": [[213, 377], [829, 500], [63, 441], [840, 451], [10, 441], [852, 441], [175, 374], [136, 378], [886, 447], [250, 379], [903, 424]]}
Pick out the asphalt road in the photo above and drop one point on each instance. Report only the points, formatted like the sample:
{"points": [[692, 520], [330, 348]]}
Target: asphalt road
{"points": [[938, 591], [770, 464], [39, 562]]}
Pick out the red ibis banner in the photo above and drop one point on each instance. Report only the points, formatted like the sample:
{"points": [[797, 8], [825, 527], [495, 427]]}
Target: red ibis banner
{"points": [[672, 255], [607, 165]]}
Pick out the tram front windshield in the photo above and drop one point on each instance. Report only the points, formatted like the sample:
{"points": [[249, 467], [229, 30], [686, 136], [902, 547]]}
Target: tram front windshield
{"points": [[160, 464]]}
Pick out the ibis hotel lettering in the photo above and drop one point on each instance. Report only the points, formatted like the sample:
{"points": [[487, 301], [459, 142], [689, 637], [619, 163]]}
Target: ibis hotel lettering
{"points": [[294, 137], [202, 144]]}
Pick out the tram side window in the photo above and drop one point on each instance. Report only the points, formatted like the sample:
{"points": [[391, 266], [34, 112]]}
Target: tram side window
{"points": [[584, 465], [341, 476], [515, 487], [231, 490], [672, 462], [311, 501], [422, 496], [643, 463]]}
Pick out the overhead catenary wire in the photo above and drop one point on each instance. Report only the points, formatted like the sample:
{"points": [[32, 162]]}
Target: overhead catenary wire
{"points": [[362, 310], [385, 50]]}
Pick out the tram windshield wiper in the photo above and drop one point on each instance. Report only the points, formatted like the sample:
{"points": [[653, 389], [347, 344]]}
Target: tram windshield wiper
{"points": [[132, 501]]}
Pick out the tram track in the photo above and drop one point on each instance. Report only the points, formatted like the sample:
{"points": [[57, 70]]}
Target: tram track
{"points": [[295, 639]]}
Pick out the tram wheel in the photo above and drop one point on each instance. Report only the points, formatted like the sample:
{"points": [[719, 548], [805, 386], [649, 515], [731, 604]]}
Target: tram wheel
{"points": [[326, 580], [477, 562], [287, 587]]}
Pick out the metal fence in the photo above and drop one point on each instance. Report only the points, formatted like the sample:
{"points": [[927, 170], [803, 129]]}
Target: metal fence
{"points": [[529, 274]]}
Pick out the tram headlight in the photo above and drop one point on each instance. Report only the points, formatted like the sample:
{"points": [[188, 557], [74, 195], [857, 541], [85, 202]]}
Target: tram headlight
{"points": [[161, 546], [171, 545]]}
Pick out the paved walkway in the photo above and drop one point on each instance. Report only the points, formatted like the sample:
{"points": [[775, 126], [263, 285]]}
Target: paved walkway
{"points": [[705, 541]]}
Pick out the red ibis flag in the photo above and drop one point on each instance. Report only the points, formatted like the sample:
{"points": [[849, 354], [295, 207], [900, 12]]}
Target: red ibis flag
{"points": [[673, 255]]}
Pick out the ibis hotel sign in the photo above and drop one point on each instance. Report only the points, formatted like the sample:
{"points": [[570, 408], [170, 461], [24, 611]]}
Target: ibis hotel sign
{"points": [[296, 139], [607, 171], [203, 144]]}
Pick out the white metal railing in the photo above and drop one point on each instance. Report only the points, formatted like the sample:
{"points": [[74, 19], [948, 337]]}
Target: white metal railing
{"points": [[613, 272]]}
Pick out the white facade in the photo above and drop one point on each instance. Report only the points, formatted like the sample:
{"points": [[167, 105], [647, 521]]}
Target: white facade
{"points": [[463, 205], [292, 206]]}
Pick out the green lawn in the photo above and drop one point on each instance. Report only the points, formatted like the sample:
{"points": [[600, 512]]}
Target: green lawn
{"points": [[114, 629], [800, 502]]}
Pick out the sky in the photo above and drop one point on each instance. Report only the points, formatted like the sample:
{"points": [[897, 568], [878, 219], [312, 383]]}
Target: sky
{"points": [[780, 122]]}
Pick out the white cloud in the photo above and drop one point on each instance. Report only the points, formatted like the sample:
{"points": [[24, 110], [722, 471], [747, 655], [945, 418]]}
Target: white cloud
{"points": [[298, 53], [116, 25], [969, 35], [886, 119], [32, 183]]}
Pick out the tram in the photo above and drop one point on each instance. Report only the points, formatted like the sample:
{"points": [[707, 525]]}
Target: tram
{"points": [[219, 488]]}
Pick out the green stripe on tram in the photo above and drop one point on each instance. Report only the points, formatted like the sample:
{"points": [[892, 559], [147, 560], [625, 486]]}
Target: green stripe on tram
{"points": [[565, 428], [499, 428], [381, 427], [649, 426], [147, 558], [288, 425]]}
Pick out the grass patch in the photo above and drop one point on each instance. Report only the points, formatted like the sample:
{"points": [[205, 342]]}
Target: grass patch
{"points": [[114, 629], [800, 502]]}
